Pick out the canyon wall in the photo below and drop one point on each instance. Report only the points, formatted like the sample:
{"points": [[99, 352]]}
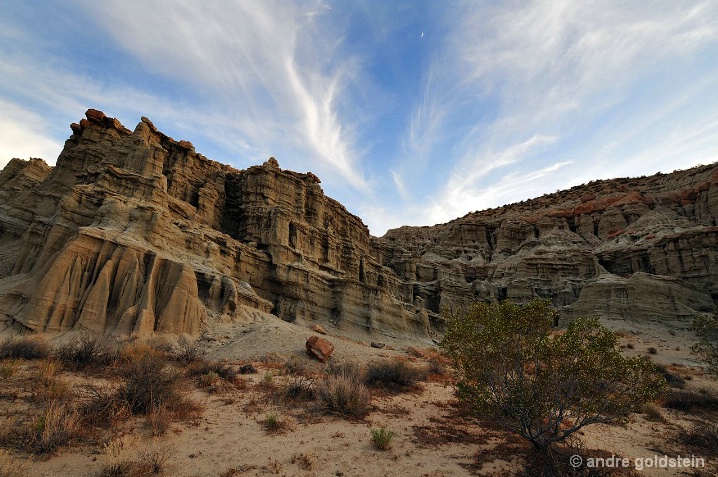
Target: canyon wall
{"points": [[134, 232]]}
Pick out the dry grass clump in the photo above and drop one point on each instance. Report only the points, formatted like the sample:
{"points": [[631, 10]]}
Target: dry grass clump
{"points": [[102, 408], [300, 389], [8, 367], [396, 375], [214, 376], [689, 401], [344, 395], [150, 384], [704, 438], [54, 425], [123, 458], [87, 352], [25, 347]]}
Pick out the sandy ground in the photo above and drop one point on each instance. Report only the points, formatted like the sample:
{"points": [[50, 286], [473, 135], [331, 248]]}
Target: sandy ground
{"points": [[430, 440]]}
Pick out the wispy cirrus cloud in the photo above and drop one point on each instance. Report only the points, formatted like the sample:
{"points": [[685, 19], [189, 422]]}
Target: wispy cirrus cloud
{"points": [[538, 90], [271, 68]]}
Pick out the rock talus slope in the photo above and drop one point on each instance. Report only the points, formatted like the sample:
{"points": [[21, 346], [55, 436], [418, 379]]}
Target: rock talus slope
{"points": [[134, 232]]}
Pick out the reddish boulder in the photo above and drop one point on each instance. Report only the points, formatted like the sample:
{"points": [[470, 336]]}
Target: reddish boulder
{"points": [[319, 348]]}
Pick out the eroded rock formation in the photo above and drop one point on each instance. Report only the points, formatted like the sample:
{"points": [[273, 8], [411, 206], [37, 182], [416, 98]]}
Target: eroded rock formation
{"points": [[134, 232], [636, 249]]}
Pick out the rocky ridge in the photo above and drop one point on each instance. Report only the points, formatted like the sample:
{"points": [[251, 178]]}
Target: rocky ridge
{"points": [[134, 232], [632, 249]]}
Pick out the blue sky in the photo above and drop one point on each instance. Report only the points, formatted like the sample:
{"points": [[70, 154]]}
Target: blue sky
{"points": [[411, 113]]}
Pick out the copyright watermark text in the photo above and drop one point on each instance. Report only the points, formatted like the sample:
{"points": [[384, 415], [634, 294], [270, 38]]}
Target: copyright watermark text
{"points": [[638, 463]]}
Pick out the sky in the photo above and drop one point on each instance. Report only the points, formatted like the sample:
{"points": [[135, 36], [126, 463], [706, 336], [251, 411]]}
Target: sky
{"points": [[410, 112]]}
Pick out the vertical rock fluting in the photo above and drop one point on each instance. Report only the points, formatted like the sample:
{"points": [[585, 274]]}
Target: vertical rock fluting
{"points": [[134, 232]]}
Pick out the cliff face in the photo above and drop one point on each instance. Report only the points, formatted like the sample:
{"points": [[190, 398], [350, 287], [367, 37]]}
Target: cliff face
{"points": [[134, 232], [642, 249]]}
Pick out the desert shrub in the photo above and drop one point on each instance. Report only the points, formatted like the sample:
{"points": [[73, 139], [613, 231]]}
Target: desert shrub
{"points": [[221, 371], [150, 384], [706, 327], [381, 438], [209, 379], [690, 401], [124, 457], [187, 349], [300, 389], [344, 395], [295, 365], [153, 459], [652, 350], [87, 351], [102, 408], [25, 347], [394, 375], [247, 368], [652, 412], [673, 380], [702, 437], [56, 425], [346, 369], [544, 386], [272, 423]]}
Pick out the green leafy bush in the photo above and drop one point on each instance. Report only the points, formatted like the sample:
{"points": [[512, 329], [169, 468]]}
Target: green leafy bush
{"points": [[544, 385]]}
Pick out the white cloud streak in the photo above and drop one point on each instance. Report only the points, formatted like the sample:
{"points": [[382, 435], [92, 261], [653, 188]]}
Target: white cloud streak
{"points": [[269, 67], [541, 73]]}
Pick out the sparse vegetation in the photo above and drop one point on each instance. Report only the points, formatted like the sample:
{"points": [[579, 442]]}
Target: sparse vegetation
{"points": [[88, 351], [344, 395], [273, 423], [25, 347], [56, 425], [300, 389], [544, 386], [689, 401], [381, 438], [704, 438], [394, 375], [150, 384]]}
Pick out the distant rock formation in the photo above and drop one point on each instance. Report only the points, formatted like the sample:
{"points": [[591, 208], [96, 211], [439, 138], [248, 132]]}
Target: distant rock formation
{"points": [[134, 232], [636, 249]]}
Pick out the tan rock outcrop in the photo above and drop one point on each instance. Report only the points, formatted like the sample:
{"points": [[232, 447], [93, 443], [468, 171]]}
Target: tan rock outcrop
{"points": [[134, 232]]}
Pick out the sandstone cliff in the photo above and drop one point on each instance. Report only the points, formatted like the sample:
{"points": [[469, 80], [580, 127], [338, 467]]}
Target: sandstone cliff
{"points": [[636, 249], [134, 232]]}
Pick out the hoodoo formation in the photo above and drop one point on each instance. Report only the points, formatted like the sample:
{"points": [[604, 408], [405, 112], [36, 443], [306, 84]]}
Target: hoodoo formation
{"points": [[134, 232]]}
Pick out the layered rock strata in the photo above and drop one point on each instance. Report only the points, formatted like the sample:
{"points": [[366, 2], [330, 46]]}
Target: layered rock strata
{"points": [[637, 249], [134, 232]]}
